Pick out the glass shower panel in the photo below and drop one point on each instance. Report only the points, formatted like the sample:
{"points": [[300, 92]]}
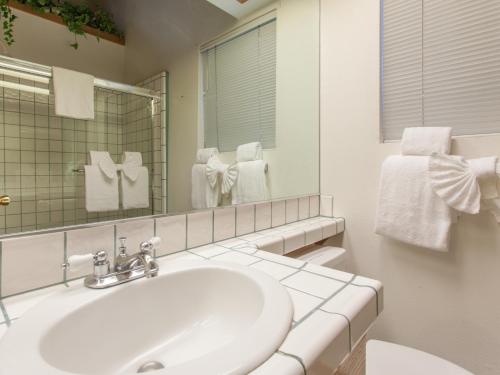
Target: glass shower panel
{"points": [[42, 155]]}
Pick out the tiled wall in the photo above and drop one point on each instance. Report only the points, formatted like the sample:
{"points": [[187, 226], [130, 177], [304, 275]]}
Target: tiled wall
{"points": [[29, 262], [39, 153]]}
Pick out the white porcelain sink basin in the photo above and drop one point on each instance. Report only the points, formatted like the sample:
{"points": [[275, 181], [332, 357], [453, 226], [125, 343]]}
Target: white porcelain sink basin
{"points": [[196, 317]]}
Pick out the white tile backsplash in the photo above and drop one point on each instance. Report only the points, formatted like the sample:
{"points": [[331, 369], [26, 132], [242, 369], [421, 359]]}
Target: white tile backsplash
{"points": [[224, 223], [262, 216], [303, 208], [172, 231], [234, 228], [199, 228], [292, 210], [136, 232], [313, 205], [245, 219], [31, 262], [326, 206], [89, 240], [278, 213]]}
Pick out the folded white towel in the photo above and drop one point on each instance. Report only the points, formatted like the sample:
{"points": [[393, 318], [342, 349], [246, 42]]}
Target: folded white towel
{"points": [[485, 171], [101, 192], [249, 152], [134, 182], [204, 154], [73, 94], [214, 170], [104, 161], [426, 140], [454, 182], [202, 194], [408, 208], [229, 178], [251, 184], [465, 185]]}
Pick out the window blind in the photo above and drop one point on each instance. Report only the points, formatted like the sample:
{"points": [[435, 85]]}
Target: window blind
{"points": [[441, 66], [239, 93]]}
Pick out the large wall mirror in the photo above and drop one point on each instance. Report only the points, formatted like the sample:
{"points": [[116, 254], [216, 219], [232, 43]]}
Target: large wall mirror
{"points": [[224, 112]]}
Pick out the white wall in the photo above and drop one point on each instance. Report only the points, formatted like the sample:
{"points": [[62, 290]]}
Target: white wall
{"points": [[46, 42], [447, 304], [183, 129]]}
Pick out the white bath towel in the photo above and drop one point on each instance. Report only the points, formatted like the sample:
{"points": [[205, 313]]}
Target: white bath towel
{"points": [[204, 154], [251, 183], [465, 185], [249, 152], [453, 180], [101, 192], [104, 161], [408, 208], [73, 94], [215, 170], [202, 194], [134, 181], [426, 140]]}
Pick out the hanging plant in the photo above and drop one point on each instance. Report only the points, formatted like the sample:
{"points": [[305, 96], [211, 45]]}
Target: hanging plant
{"points": [[7, 18], [75, 17]]}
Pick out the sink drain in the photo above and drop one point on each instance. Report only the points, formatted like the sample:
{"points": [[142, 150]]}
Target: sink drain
{"points": [[150, 366]]}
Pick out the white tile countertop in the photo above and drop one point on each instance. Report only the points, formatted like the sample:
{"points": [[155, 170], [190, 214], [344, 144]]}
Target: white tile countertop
{"points": [[332, 309]]}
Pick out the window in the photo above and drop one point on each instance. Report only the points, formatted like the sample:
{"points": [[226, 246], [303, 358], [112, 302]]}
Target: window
{"points": [[239, 90], [440, 65]]}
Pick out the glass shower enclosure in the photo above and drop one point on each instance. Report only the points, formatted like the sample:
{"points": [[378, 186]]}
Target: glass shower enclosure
{"points": [[42, 155]]}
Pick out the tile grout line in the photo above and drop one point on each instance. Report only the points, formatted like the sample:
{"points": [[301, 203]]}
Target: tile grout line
{"points": [[326, 300], [296, 357], [65, 259], [348, 324], [5, 314]]}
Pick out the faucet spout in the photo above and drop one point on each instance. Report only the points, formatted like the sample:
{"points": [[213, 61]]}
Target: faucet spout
{"points": [[149, 263]]}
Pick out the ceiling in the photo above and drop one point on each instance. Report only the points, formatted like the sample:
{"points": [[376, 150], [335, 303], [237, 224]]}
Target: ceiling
{"points": [[240, 8]]}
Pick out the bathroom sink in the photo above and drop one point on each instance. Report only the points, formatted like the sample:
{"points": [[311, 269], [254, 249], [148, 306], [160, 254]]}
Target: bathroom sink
{"points": [[195, 317]]}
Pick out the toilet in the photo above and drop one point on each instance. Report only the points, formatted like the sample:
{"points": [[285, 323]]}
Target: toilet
{"points": [[384, 358], [326, 256]]}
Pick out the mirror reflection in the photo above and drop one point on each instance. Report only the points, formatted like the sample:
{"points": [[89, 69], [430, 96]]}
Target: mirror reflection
{"points": [[205, 115]]}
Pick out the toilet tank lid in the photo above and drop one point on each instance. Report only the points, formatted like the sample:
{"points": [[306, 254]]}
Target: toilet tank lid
{"points": [[325, 255]]}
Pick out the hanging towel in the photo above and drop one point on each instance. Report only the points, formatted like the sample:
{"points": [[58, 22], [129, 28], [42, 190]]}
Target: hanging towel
{"points": [[73, 94], [229, 178], [485, 171], [249, 152], [134, 181], [101, 183], [453, 180], [251, 184], [215, 170], [426, 140], [465, 185], [202, 194], [204, 154], [408, 208]]}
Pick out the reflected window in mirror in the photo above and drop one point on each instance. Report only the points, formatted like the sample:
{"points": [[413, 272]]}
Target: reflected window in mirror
{"points": [[239, 90]]}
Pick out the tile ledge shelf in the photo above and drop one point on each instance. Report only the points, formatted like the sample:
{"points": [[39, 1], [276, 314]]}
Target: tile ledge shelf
{"points": [[332, 309]]}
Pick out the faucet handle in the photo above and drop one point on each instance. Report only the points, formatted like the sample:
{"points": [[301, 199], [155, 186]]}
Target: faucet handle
{"points": [[150, 245], [77, 261], [99, 259], [123, 246]]}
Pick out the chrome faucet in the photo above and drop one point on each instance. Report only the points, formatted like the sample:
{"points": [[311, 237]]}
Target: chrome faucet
{"points": [[126, 267]]}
